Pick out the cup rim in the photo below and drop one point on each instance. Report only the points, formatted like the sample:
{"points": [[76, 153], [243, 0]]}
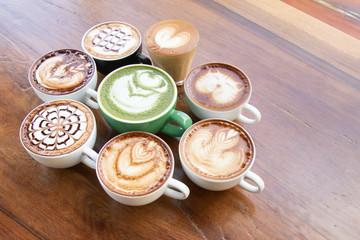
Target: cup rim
{"points": [[229, 179], [170, 106], [37, 62], [67, 153], [239, 105], [163, 143], [111, 59]]}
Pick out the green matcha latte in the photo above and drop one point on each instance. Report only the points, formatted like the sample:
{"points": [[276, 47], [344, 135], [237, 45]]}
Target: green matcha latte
{"points": [[136, 93]]}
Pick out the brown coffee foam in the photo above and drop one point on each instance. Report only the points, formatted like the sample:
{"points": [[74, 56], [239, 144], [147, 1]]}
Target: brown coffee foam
{"points": [[134, 164], [111, 40], [64, 122], [61, 71], [180, 27], [216, 149], [217, 86]]}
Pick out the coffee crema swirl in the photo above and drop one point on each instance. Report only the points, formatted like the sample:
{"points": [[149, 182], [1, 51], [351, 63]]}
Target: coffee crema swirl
{"points": [[57, 127], [216, 150], [62, 71], [134, 164]]}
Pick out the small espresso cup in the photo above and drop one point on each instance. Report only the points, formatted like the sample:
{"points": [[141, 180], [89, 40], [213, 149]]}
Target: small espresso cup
{"points": [[57, 133], [217, 154], [220, 90], [114, 44], [64, 74], [136, 168], [141, 97]]}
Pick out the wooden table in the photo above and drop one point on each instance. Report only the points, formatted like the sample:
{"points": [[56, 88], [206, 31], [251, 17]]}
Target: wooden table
{"points": [[303, 60]]}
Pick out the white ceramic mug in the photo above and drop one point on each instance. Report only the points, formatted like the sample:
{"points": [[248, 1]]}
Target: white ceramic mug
{"points": [[219, 90], [217, 154], [171, 187], [80, 93], [49, 118]]}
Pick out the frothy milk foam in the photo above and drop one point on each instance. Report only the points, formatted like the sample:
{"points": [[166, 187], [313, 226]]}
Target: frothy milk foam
{"points": [[61, 71], [57, 127], [216, 150], [111, 40], [134, 164], [217, 86], [136, 93]]}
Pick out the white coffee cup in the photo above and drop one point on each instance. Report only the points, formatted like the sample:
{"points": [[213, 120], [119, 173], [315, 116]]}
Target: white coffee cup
{"points": [[217, 154], [80, 65], [169, 187], [67, 118], [219, 90]]}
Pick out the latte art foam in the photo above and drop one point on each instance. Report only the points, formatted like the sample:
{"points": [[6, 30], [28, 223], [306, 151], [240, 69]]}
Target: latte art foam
{"points": [[217, 86], [134, 164], [216, 150], [57, 127], [171, 37], [62, 71], [136, 94], [111, 40]]}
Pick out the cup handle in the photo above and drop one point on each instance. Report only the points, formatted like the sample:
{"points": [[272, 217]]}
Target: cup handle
{"points": [[256, 179], [177, 190], [143, 59], [254, 111], [89, 157], [181, 119], [88, 101]]}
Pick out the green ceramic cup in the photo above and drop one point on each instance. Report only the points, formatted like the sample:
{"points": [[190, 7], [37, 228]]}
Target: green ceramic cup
{"points": [[141, 98]]}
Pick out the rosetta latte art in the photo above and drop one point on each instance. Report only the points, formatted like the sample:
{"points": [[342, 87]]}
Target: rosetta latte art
{"points": [[133, 165], [57, 127], [216, 153]]}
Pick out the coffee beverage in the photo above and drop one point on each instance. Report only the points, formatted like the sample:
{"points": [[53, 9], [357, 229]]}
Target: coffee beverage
{"points": [[62, 72], [216, 149], [111, 40], [136, 93], [172, 45], [217, 86], [57, 128], [135, 164]]}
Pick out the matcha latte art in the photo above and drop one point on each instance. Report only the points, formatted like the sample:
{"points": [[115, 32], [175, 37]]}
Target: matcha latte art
{"points": [[136, 93]]}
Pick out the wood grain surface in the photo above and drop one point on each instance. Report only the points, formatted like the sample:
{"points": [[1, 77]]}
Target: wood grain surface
{"points": [[303, 58]]}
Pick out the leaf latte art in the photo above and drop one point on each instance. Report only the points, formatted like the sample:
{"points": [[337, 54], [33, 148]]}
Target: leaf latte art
{"points": [[57, 127], [133, 165]]}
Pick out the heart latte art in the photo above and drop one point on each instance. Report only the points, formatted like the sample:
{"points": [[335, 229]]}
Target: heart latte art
{"points": [[57, 127], [170, 37], [134, 164], [62, 71], [216, 149]]}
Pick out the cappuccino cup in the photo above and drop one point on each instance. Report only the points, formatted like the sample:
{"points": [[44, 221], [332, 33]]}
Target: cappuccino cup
{"points": [[136, 168], [57, 133], [217, 154], [141, 97], [220, 90], [114, 44], [64, 74], [171, 45]]}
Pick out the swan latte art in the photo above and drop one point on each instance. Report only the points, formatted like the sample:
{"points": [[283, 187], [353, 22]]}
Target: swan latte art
{"points": [[57, 127], [217, 86], [62, 72], [136, 93], [216, 149], [134, 163]]}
